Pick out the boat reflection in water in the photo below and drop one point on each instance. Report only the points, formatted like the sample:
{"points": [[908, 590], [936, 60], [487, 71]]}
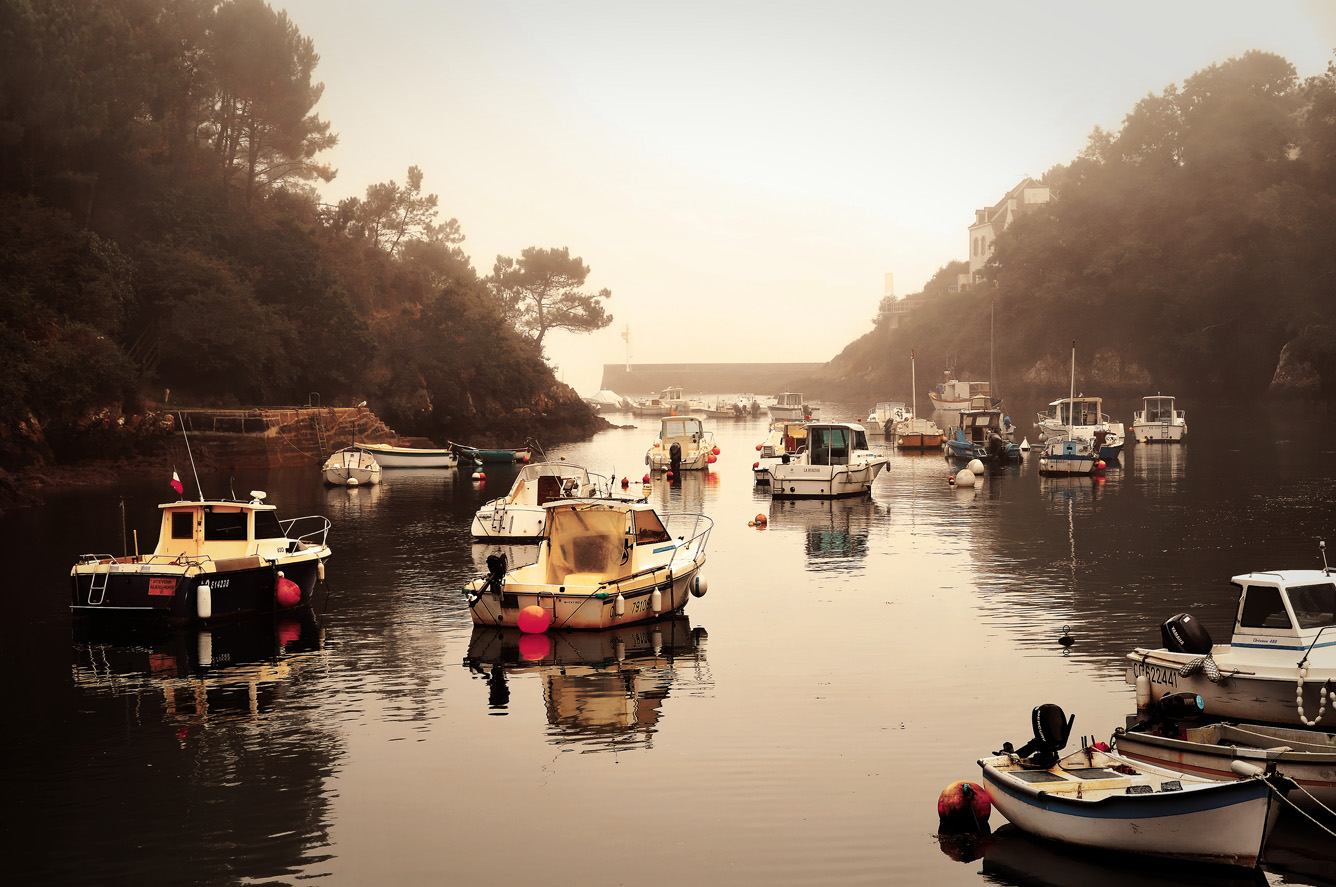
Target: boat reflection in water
{"points": [[604, 690], [230, 671], [835, 530]]}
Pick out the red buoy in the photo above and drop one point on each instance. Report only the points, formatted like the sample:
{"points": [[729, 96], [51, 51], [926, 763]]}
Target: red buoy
{"points": [[533, 619], [625, 483], [963, 807], [288, 593]]}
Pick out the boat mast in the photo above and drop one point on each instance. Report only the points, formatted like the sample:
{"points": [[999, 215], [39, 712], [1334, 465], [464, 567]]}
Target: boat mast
{"points": [[913, 383], [1071, 394]]}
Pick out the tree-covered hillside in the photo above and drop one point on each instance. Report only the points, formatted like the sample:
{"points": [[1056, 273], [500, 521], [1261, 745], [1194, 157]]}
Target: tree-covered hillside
{"points": [[1189, 251], [161, 229]]}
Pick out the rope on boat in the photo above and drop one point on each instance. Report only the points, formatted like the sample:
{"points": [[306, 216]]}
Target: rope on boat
{"points": [[1322, 695], [1278, 793], [1205, 665]]}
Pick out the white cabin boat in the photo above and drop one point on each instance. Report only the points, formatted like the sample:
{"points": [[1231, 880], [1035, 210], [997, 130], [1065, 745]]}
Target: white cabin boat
{"points": [[600, 563], [787, 438], [1083, 417], [670, 402], [955, 394], [790, 405], [1064, 456], [215, 559], [886, 415], [1279, 663], [351, 467], [836, 461], [1158, 420], [520, 515], [390, 456], [683, 445]]}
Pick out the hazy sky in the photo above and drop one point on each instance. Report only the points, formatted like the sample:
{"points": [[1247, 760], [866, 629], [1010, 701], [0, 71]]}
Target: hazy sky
{"points": [[742, 175]]}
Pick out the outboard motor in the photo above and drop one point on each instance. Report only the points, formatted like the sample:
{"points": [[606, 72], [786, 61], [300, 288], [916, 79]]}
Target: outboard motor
{"points": [[496, 572], [1051, 727], [675, 457], [1174, 706], [1183, 634], [996, 446]]}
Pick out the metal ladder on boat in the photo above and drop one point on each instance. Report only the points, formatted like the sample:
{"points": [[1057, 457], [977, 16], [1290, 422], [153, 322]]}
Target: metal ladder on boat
{"points": [[99, 588], [498, 518]]}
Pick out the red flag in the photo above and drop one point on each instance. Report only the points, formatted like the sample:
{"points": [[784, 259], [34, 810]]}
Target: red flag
{"points": [[176, 483]]}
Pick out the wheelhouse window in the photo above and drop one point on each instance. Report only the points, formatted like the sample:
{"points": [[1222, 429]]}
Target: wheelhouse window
{"points": [[1314, 605], [1263, 608], [267, 525], [225, 526], [829, 446], [183, 524], [649, 528]]}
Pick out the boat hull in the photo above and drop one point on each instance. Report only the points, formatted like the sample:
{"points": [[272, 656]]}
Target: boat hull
{"points": [[916, 441], [1159, 432], [798, 480], [172, 592], [407, 457], [587, 607], [1269, 698], [1226, 823]]}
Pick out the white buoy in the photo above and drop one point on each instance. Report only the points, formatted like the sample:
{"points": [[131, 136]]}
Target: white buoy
{"points": [[699, 586], [205, 649], [352, 481], [975, 466], [619, 606], [203, 601], [320, 570], [1143, 692], [965, 478], [656, 601]]}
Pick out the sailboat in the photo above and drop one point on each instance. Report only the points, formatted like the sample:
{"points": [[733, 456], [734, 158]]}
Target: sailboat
{"points": [[1079, 417], [914, 433]]}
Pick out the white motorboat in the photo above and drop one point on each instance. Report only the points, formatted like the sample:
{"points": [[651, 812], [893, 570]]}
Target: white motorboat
{"points": [[670, 402], [683, 445], [790, 405], [390, 456], [836, 461], [955, 394], [1101, 800], [1158, 420], [520, 515], [787, 438], [1305, 756], [1278, 666], [886, 415], [215, 559], [351, 467], [1083, 417], [600, 563], [1064, 456]]}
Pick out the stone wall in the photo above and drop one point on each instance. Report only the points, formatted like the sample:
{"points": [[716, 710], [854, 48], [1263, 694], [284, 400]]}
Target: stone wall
{"points": [[270, 438]]}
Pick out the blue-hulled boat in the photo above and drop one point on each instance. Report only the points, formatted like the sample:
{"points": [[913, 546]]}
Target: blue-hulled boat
{"points": [[981, 435]]}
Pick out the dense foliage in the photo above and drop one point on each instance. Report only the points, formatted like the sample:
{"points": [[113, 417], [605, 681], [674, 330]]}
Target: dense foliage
{"points": [[160, 230], [1193, 243]]}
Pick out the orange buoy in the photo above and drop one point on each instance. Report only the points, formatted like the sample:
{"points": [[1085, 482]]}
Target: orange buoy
{"points": [[762, 520], [715, 451], [963, 807], [758, 448], [288, 593], [533, 619]]}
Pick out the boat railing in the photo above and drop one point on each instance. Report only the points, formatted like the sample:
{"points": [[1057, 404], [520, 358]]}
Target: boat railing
{"points": [[692, 530], [316, 535]]}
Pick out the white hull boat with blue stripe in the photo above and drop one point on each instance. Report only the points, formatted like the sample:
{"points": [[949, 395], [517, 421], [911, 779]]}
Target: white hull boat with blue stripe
{"points": [[599, 563], [1101, 800], [1279, 667]]}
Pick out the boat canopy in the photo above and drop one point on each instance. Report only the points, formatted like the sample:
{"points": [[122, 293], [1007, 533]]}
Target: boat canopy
{"points": [[216, 528], [1310, 603], [680, 426]]}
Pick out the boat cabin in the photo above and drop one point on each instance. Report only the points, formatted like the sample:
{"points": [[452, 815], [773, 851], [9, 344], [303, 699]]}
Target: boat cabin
{"points": [[546, 481], [957, 389], [594, 543], [1078, 411], [680, 429], [1159, 409], [221, 530], [834, 443], [785, 437], [1291, 611], [979, 425], [792, 399]]}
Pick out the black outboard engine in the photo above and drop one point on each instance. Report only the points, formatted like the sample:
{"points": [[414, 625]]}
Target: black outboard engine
{"points": [[1174, 706], [1183, 634], [1051, 727], [675, 457], [496, 572]]}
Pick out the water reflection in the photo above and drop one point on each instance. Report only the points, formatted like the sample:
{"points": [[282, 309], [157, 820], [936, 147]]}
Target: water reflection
{"points": [[1163, 466], [835, 531], [603, 690]]}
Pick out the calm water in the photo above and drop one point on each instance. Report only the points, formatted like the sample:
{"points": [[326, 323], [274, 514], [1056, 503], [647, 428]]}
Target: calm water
{"points": [[795, 727]]}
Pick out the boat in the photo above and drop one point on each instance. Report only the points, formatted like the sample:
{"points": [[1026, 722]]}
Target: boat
{"points": [[215, 559], [836, 461], [1077, 416], [683, 445], [981, 435], [1158, 420], [1101, 800], [670, 402], [787, 438], [600, 563], [790, 405], [519, 515], [496, 455], [722, 408], [1067, 457], [605, 400], [1307, 757], [955, 394], [886, 415], [390, 456], [1278, 664], [919, 434], [351, 467]]}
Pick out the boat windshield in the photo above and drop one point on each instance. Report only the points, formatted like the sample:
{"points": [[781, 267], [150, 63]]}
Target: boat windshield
{"points": [[1159, 409], [267, 525], [1314, 605], [1263, 608], [829, 446], [680, 427], [225, 526]]}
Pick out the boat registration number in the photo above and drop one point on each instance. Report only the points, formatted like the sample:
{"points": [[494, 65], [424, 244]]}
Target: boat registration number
{"points": [[1157, 674], [162, 586]]}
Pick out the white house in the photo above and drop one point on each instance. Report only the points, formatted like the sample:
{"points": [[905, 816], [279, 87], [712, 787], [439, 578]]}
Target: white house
{"points": [[991, 221]]}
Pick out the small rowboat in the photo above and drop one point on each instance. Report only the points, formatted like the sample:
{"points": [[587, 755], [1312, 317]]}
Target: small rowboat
{"points": [[494, 454], [1101, 800], [351, 467], [390, 456]]}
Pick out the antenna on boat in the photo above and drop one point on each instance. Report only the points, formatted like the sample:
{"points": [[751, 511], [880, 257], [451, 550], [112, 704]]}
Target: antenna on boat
{"points": [[193, 470], [1322, 544]]}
